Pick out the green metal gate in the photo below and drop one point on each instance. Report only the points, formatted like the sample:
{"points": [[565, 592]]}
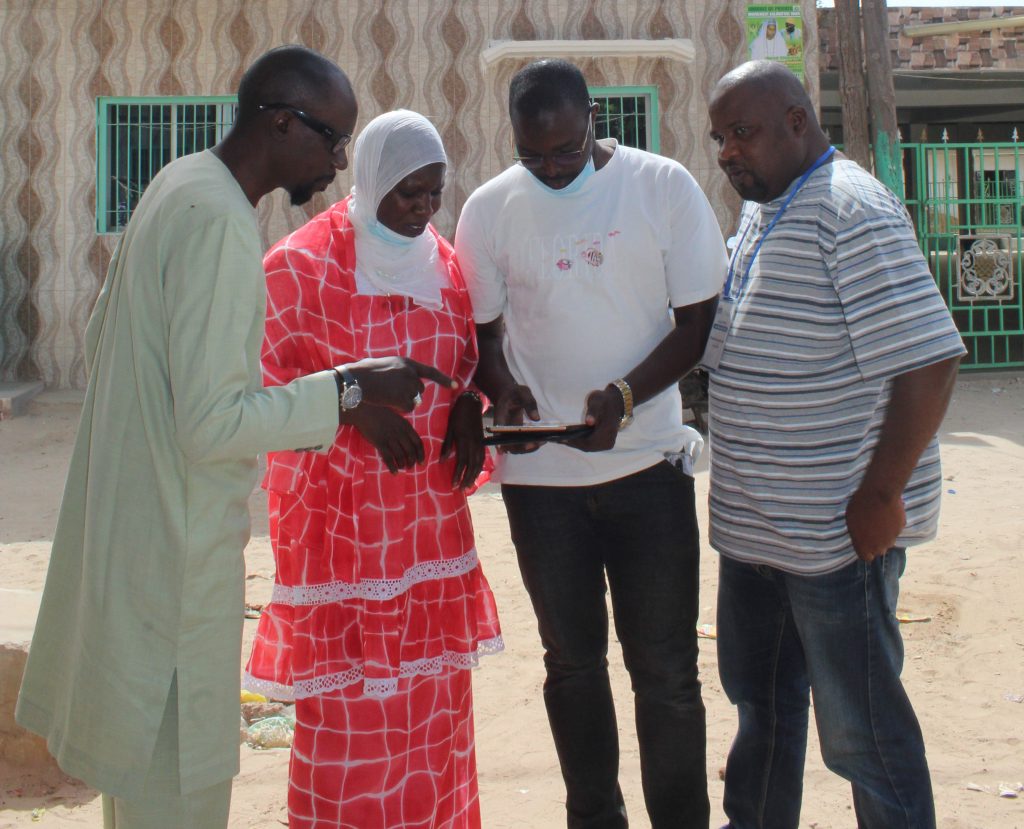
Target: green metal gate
{"points": [[965, 200]]}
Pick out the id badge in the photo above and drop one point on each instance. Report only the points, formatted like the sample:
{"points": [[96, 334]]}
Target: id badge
{"points": [[719, 331]]}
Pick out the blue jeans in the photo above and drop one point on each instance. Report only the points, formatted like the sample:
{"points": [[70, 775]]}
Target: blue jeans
{"points": [[780, 636], [639, 532]]}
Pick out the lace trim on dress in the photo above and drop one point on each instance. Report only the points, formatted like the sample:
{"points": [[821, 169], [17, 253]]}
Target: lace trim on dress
{"points": [[378, 688], [374, 589], [275, 691]]}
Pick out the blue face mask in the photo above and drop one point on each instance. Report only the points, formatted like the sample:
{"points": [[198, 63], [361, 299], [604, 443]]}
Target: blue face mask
{"points": [[574, 185], [386, 234]]}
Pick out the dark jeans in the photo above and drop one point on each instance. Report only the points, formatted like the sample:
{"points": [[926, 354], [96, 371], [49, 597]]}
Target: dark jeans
{"points": [[640, 531], [780, 636]]}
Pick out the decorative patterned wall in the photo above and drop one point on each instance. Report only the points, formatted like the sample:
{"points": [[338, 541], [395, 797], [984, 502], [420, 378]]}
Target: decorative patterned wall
{"points": [[59, 55]]}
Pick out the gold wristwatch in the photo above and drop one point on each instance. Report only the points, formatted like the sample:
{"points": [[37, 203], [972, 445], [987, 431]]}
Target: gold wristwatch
{"points": [[627, 402]]}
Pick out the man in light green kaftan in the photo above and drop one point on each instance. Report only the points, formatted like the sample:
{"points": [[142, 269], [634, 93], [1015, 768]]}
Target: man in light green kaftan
{"points": [[133, 673]]}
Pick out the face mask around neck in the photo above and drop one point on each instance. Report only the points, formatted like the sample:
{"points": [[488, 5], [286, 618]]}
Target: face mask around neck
{"points": [[574, 185], [386, 234]]}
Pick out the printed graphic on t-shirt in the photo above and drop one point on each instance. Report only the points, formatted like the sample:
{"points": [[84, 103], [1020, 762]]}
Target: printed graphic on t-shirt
{"points": [[577, 255]]}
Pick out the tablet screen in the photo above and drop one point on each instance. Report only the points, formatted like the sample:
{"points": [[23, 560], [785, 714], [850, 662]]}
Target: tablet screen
{"points": [[534, 432], [535, 426]]}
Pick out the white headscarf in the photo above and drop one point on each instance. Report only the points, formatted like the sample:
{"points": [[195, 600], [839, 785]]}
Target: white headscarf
{"points": [[392, 146]]}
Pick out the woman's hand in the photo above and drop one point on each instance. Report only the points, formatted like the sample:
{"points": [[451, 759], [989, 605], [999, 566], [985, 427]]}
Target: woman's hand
{"points": [[465, 435], [390, 434]]}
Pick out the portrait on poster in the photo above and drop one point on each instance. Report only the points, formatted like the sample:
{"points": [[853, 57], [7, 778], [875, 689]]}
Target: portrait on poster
{"points": [[776, 32]]}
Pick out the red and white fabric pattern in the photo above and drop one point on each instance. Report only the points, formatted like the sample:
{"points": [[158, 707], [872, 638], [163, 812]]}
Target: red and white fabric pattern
{"points": [[379, 604], [404, 761]]}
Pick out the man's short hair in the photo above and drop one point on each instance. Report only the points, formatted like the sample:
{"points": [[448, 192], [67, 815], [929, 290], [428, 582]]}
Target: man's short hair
{"points": [[292, 75], [547, 86]]}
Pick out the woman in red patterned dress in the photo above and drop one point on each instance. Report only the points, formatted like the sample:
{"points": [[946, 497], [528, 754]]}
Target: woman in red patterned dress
{"points": [[380, 606]]}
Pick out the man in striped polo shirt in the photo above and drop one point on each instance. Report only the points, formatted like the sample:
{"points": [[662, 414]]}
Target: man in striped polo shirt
{"points": [[832, 361]]}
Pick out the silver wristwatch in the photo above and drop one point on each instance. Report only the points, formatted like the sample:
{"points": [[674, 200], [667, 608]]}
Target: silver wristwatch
{"points": [[350, 394]]}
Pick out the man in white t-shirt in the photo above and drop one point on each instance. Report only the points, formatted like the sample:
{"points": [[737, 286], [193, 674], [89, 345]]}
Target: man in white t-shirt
{"points": [[574, 258]]}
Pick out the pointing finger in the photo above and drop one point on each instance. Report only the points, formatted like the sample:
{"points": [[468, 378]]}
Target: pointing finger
{"points": [[431, 373]]}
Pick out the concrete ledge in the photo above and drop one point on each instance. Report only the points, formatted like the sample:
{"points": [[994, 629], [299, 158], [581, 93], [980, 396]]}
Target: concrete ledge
{"points": [[14, 397], [19, 748], [675, 48]]}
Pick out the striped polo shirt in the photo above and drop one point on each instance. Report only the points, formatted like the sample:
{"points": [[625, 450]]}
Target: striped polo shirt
{"points": [[838, 301]]}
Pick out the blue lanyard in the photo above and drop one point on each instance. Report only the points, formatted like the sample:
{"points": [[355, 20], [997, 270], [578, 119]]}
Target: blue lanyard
{"points": [[727, 290]]}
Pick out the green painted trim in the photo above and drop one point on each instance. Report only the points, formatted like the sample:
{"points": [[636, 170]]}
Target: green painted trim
{"points": [[185, 100], [655, 121], [101, 165], [624, 91], [964, 145], [103, 102], [888, 163]]}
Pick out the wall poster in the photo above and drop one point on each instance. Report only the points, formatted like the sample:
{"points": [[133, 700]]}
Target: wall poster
{"points": [[776, 32]]}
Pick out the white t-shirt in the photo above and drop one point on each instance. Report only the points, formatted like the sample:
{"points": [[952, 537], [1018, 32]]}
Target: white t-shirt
{"points": [[584, 282]]}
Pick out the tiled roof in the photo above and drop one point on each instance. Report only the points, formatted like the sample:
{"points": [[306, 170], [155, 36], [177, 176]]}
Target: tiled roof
{"points": [[986, 49]]}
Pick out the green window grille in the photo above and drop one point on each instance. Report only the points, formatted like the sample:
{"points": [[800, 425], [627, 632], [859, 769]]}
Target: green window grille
{"points": [[629, 114], [967, 203], [996, 190], [136, 137]]}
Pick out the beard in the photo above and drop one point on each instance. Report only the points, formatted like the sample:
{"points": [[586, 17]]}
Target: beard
{"points": [[301, 194], [751, 187]]}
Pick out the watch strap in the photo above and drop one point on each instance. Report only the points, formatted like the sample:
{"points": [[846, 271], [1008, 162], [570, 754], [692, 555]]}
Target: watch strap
{"points": [[349, 392], [627, 402], [347, 377]]}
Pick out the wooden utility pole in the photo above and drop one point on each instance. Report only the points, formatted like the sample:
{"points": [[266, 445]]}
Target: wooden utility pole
{"points": [[881, 95], [851, 83]]}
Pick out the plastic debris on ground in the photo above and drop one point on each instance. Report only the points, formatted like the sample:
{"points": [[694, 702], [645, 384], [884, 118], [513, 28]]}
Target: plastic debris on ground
{"points": [[265, 724], [707, 631], [905, 617], [1012, 790], [273, 732], [254, 711]]}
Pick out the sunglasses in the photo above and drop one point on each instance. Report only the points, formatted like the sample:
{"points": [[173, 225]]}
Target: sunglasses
{"points": [[535, 162], [337, 140]]}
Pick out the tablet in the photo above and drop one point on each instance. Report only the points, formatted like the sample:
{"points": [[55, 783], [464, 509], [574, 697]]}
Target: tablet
{"points": [[534, 432]]}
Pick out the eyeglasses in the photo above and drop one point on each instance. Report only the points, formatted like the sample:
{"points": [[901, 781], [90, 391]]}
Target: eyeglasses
{"points": [[535, 162], [338, 140]]}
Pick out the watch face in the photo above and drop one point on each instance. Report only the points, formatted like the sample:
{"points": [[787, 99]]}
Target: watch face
{"points": [[351, 397]]}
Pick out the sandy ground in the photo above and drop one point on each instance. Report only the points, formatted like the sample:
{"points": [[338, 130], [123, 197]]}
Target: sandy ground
{"points": [[964, 667]]}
